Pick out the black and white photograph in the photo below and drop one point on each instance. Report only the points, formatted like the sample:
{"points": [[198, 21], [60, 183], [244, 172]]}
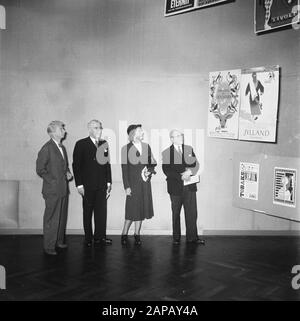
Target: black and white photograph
{"points": [[149, 154]]}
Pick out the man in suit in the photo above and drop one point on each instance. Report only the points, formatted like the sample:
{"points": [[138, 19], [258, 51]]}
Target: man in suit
{"points": [[179, 164], [93, 181], [52, 166]]}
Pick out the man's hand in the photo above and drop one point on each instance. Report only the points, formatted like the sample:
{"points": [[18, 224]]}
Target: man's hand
{"points": [[128, 191], [185, 176], [80, 190], [69, 176]]}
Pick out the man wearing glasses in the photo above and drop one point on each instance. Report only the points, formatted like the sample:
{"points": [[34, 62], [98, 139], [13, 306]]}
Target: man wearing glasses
{"points": [[179, 165]]}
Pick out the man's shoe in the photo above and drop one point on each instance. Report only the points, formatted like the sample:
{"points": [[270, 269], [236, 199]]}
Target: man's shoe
{"points": [[62, 246], [176, 242], [87, 243], [137, 239], [104, 241], [124, 239], [197, 241], [50, 252]]}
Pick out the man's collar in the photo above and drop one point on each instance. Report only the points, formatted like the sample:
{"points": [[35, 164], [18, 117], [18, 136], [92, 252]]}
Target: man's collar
{"points": [[93, 139], [58, 144], [177, 146]]}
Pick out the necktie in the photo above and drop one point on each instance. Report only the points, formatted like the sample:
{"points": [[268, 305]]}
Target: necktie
{"points": [[60, 145], [96, 143], [180, 149]]}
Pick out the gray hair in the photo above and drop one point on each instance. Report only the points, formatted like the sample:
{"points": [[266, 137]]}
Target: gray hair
{"points": [[94, 121], [53, 125], [171, 134]]}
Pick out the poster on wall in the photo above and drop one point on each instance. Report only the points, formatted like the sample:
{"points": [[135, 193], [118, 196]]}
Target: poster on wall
{"points": [[248, 181], [224, 104], [259, 104], [173, 7], [273, 14], [284, 191]]}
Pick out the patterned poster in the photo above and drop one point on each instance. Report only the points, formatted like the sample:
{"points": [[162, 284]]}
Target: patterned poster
{"points": [[273, 14], [224, 104], [173, 7], [248, 181], [259, 104], [284, 191]]}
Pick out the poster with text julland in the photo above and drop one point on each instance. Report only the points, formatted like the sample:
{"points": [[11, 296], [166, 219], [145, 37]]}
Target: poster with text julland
{"points": [[259, 104], [224, 104]]}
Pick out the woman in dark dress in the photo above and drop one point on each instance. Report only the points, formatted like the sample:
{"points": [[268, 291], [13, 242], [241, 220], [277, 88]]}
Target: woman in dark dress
{"points": [[137, 168]]}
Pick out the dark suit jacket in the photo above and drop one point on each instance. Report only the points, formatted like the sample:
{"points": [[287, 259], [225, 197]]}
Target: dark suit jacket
{"points": [[53, 168], [174, 164], [87, 171], [133, 164]]}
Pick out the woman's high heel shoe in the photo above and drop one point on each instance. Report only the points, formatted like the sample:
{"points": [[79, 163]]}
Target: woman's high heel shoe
{"points": [[124, 239], [137, 239]]}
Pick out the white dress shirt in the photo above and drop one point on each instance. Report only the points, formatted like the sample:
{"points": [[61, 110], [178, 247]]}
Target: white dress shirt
{"points": [[138, 146], [60, 149], [177, 148], [94, 142]]}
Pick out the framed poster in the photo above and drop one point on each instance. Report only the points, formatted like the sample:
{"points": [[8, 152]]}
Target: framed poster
{"points": [[248, 181], [284, 186], [273, 14], [224, 104], [259, 104], [173, 7]]}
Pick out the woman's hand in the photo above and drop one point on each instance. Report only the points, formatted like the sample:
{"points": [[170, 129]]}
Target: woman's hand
{"points": [[128, 191]]}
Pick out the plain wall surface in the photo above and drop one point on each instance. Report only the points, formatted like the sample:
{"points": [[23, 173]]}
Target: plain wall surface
{"points": [[122, 60]]}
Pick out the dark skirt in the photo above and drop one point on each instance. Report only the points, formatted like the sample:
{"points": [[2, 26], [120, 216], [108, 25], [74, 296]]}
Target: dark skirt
{"points": [[139, 205]]}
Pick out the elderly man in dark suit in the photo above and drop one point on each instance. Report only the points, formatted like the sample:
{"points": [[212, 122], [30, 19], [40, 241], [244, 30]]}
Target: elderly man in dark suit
{"points": [[52, 166], [93, 181], [179, 164]]}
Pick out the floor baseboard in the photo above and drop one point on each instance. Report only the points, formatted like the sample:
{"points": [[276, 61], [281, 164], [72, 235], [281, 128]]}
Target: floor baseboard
{"points": [[163, 232]]}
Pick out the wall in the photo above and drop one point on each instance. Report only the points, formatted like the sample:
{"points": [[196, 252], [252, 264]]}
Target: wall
{"points": [[118, 61]]}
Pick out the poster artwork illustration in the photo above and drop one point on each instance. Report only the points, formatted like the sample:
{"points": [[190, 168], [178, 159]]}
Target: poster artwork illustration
{"points": [[224, 101]]}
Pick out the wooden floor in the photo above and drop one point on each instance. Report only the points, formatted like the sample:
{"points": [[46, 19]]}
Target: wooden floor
{"points": [[227, 268]]}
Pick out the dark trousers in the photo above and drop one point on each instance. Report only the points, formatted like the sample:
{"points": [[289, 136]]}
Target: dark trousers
{"points": [[189, 202], [55, 220], [94, 202]]}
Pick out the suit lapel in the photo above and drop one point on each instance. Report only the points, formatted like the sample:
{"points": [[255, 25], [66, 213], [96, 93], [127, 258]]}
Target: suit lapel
{"points": [[172, 154], [91, 142], [65, 156], [57, 151], [177, 156], [138, 154]]}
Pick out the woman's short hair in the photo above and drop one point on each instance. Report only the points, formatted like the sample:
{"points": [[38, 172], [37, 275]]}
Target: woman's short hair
{"points": [[131, 131]]}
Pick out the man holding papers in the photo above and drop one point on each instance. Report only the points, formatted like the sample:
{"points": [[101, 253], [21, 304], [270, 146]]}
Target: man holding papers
{"points": [[180, 165]]}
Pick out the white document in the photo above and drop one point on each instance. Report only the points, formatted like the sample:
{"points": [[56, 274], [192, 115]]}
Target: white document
{"points": [[193, 179]]}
